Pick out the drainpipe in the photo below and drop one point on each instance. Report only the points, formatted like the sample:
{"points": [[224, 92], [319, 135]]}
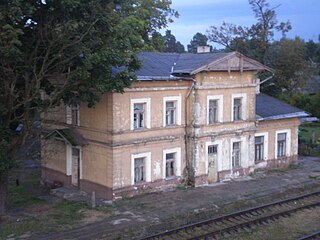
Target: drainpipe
{"points": [[189, 168]]}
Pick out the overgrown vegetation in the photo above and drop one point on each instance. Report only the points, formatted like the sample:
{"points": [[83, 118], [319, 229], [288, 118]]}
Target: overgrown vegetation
{"points": [[309, 139]]}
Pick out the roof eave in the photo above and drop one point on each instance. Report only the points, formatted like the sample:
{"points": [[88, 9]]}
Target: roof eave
{"points": [[285, 116]]}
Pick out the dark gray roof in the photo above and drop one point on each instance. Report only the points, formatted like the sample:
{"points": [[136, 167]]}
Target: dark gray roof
{"points": [[269, 108], [156, 65]]}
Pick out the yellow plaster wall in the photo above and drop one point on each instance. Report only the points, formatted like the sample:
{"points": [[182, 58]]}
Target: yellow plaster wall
{"points": [[53, 155]]}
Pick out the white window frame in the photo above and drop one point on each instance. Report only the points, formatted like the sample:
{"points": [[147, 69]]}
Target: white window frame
{"points": [[147, 102], [243, 97], [69, 159], [177, 152], [69, 115], [265, 136], [176, 99], [147, 157], [243, 155], [219, 99], [219, 149], [288, 142]]}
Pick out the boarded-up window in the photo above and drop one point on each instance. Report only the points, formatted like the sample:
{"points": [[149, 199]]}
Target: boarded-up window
{"points": [[281, 138]]}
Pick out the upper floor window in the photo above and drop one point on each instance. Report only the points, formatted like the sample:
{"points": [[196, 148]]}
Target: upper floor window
{"points": [[140, 113], [171, 111], [214, 109], [237, 109], [73, 115], [281, 144], [236, 154]]}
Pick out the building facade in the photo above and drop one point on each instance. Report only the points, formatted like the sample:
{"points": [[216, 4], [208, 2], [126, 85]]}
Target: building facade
{"points": [[192, 118]]}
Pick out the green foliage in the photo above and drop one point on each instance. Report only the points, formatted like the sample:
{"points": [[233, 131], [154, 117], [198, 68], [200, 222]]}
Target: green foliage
{"points": [[198, 39], [171, 44]]}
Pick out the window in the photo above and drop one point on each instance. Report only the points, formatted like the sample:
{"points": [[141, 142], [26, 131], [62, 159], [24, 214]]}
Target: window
{"points": [[213, 111], [212, 149], [170, 162], [259, 148], [140, 168], [236, 154], [281, 138], [73, 115], [237, 109], [170, 113], [139, 175], [139, 115]]}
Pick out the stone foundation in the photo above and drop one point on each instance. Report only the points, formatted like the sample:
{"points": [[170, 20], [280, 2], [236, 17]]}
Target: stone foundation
{"points": [[144, 187]]}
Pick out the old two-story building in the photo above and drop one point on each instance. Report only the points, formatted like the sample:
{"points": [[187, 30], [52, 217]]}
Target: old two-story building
{"points": [[195, 118]]}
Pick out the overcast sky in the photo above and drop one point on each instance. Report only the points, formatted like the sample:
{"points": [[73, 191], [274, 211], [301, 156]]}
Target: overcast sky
{"points": [[198, 15]]}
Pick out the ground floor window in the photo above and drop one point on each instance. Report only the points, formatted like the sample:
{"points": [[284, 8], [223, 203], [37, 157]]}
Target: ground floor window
{"points": [[281, 141], [139, 170], [259, 146], [170, 164], [236, 154]]}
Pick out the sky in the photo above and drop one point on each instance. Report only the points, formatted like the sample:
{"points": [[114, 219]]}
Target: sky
{"points": [[199, 15]]}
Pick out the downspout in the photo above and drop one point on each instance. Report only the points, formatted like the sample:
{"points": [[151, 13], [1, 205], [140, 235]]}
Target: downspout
{"points": [[186, 130]]}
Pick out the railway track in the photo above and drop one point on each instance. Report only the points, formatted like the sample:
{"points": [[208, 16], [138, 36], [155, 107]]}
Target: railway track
{"points": [[244, 220]]}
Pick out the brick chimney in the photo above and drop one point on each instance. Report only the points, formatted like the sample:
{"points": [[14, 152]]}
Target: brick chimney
{"points": [[203, 49]]}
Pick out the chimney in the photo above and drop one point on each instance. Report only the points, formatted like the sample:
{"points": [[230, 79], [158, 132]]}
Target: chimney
{"points": [[203, 49]]}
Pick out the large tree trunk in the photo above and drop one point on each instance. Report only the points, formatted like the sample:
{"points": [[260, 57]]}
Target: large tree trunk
{"points": [[3, 193]]}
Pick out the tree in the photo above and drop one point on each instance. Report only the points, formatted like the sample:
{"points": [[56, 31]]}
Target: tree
{"points": [[171, 44], [253, 41], [198, 39], [288, 58], [66, 51]]}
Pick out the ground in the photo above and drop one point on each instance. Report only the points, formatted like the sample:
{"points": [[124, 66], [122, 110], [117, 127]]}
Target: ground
{"points": [[36, 214]]}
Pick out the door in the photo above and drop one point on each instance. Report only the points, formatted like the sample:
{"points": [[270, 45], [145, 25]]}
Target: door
{"points": [[212, 163], [75, 166]]}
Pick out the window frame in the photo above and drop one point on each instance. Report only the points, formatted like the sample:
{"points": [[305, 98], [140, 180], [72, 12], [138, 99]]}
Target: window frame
{"points": [[218, 143], [219, 99], [265, 136], [147, 166], [69, 114], [240, 154], [177, 164], [244, 113], [147, 111], [177, 100], [287, 141]]}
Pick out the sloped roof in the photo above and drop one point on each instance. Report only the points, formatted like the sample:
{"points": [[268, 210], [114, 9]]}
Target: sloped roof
{"points": [[69, 135], [166, 66], [270, 108]]}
